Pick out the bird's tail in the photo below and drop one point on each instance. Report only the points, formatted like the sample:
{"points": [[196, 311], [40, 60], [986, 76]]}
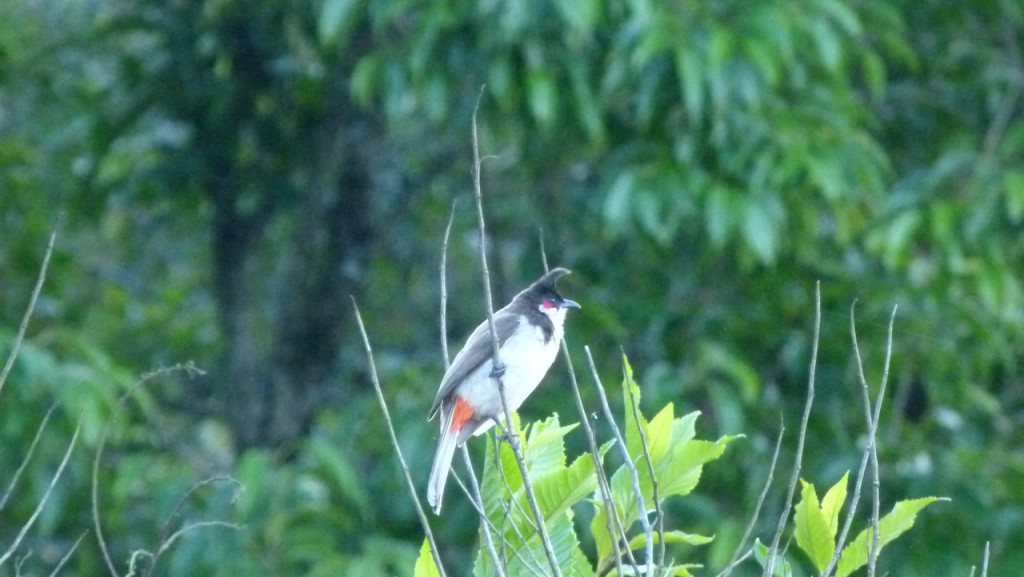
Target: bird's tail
{"points": [[442, 459]]}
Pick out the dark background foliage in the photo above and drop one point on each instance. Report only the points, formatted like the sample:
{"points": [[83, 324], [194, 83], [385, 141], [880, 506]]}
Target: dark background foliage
{"points": [[229, 172]]}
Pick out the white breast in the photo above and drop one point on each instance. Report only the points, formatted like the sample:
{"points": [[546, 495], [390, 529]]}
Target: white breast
{"points": [[527, 358]]}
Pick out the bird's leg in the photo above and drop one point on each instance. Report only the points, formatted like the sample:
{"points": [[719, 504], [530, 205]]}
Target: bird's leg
{"points": [[498, 371], [506, 435]]}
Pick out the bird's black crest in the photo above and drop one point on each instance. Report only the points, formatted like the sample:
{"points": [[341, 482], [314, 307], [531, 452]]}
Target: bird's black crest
{"points": [[545, 285], [548, 280]]}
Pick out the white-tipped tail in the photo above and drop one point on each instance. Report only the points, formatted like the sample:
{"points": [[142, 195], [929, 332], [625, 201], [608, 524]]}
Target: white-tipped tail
{"points": [[442, 460]]}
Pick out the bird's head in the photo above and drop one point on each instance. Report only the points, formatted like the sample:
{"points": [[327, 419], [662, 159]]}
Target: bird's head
{"points": [[544, 296]]}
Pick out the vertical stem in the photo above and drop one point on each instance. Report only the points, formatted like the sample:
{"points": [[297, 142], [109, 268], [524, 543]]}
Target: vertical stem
{"points": [[769, 566], [496, 359]]}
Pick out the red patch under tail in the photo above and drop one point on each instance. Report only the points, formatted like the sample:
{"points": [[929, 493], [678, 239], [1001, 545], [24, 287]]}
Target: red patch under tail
{"points": [[462, 413]]}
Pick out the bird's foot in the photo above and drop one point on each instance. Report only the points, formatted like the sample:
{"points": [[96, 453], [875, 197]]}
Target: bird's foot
{"points": [[506, 436], [498, 371]]}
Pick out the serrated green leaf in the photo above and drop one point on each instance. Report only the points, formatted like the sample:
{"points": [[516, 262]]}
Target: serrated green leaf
{"points": [[684, 428], [659, 433], [563, 541], [560, 490], [545, 448], [581, 565], [500, 484], [599, 530], [812, 531], [425, 566], [897, 522], [640, 540], [832, 503], [679, 473]]}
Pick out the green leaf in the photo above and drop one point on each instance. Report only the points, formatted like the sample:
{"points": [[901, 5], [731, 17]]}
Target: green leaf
{"points": [[337, 20], [659, 433], [425, 566], [874, 73], [560, 490], [718, 357], [812, 528], [684, 428], [634, 419], [365, 79], [679, 473], [493, 485], [683, 570], [721, 215], [782, 566], [690, 71], [832, 503], [544, 451], [343, 475], [581, 565], [617, 203], [599, 525], [761, 225], [542, 95], [897, 522], [1013, 185], [640, 540], [563, 541]]}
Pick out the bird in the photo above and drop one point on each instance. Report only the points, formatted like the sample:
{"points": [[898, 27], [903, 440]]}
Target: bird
{"points": [[530, 330]]}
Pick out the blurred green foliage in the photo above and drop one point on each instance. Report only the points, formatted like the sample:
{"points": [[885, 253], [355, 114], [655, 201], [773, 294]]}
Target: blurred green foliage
{"points": [[698, 165]]}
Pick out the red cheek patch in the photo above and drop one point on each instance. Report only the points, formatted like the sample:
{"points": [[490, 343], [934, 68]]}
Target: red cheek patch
{"points": [[463, 413]]}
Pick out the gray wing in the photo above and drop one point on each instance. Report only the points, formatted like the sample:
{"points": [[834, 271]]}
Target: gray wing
{"points": [[478, 350]]}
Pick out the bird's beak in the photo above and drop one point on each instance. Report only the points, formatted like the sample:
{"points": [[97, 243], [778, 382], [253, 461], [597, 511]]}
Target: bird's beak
{"points": [[570, 304]]}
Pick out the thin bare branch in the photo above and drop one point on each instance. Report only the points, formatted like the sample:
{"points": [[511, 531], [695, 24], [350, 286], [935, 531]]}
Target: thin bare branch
{"points": [[444, 287], [532, 564], [498, 367], [738, 556], [186, 529], [654, 490], [28, 457], [67, 556], [873, 445], [769, 566], [595, 452], [628, 462], [984, 561], [508, 488], [869, 451], [543, 250], [166, 538], [20, 337], [46, 496], [394, 441], [603, 486], [191, 370], [476, 498]]}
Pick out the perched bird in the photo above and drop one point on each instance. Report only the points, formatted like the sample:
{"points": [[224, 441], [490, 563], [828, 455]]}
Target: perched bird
{"points": [[529, 334]]}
